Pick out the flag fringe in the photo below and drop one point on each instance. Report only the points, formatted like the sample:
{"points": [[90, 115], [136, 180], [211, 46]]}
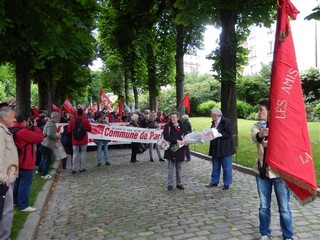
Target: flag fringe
{"points": [[305, 186]]}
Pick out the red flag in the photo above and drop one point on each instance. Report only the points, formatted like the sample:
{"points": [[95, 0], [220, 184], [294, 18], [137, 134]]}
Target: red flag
{"points": [[104, 99], [35, 111], [68, 108], [54, 108], [119, 109], [186, 102], [289, 151]]}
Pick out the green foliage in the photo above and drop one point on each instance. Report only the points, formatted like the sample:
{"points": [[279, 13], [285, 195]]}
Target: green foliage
{"points": [[252, 89], [202, 88], [244, 109], [7, 79], [204, 108], [34, 94], [311, 84]]}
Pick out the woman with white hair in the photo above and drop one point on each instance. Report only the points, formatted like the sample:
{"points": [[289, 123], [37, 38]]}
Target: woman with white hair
{"points": [[221, 150]]}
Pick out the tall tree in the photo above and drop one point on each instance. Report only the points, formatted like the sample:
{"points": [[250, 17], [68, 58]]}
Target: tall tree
{"points": [[234, 18], [36, 34]]}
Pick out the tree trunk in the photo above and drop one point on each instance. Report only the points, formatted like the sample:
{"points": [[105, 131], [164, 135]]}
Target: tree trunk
{"points": [[136, 97], [23, 92], [126, 90], [43, 93], [228, 50], [152, 79], [179, 68]]}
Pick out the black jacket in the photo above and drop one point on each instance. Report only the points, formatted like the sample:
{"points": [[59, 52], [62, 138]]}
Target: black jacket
{"points": [[172, 135], [223, 146]]}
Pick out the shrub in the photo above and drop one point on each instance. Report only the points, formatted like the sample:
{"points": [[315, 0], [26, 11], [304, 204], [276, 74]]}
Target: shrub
{"points": [[244, 109], [204, 108]]}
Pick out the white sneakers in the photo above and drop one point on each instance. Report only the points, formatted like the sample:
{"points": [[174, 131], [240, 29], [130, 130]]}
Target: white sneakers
{"points": [[265, 237], [46, 177], [28, 209]]}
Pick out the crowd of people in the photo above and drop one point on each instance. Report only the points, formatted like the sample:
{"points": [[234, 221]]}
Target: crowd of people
{"points": [[27, 142]]}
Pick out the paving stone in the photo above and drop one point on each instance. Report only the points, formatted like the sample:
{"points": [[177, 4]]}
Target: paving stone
{"points": [[130, 201]]}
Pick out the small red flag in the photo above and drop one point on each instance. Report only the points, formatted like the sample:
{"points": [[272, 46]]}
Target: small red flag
{"points": [[35, 111], [54, 108], [68, 108], [186, 102], [289, 150], [119, 109]]}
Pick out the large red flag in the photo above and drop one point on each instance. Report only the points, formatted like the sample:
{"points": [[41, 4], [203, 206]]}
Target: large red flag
{"points": [[289, 151], [104, 99], [186, 102]]}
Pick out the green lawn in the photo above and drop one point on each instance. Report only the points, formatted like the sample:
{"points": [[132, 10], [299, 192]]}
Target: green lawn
{"points": [[246, 150]]}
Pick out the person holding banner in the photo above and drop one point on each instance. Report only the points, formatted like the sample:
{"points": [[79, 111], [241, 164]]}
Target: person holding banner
{"points": [[134, 145], [151, 123], [102, 143], [173, 132], [266, 180]]}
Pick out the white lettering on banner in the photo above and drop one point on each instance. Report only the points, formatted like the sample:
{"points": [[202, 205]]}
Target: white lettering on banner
{"points": [[289, 80], [117, 132], [281, 109], [306, 159]]}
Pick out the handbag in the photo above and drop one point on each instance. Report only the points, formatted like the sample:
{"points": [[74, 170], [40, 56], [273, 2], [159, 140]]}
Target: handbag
{"points": [[59, 151], [142, 148], [163, 143]]}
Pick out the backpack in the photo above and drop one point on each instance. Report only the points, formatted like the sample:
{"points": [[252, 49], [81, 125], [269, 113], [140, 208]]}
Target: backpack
{"points": [[79, 132]]}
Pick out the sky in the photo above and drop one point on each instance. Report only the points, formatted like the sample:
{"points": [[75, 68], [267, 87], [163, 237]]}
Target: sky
{"points": [[211, 35]]}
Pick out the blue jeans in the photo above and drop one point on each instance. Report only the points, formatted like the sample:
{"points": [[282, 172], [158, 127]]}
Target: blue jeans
{"points": [[283, 198], [178, 165], [226, 164], [81, 151], [22, 187], [46, 161], [103, 143], [151, 149]]}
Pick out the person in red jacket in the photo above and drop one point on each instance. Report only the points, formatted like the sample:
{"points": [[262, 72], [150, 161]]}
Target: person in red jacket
{"points": [[79, 147], [26, 135]]}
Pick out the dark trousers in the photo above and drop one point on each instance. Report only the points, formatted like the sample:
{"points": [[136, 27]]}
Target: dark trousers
{"points": [[134, 151]]}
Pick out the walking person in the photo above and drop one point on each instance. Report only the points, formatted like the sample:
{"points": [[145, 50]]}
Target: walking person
{"points": [[266, 180], [173, 132], [102, 143], [26, 135], [79, 127], [221, 150], [8, 170], [49, 144], [151, 123]]}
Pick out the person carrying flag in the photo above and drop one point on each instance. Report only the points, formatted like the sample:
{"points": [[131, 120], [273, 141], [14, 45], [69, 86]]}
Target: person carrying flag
{"points": [[266, 180]]}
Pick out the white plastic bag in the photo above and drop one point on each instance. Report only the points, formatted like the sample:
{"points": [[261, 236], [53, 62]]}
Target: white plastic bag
{"points": [[206, 135]]}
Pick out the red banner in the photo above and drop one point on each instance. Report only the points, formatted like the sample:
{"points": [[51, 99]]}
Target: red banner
{"points": [[186, 102], [289, 150]]}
